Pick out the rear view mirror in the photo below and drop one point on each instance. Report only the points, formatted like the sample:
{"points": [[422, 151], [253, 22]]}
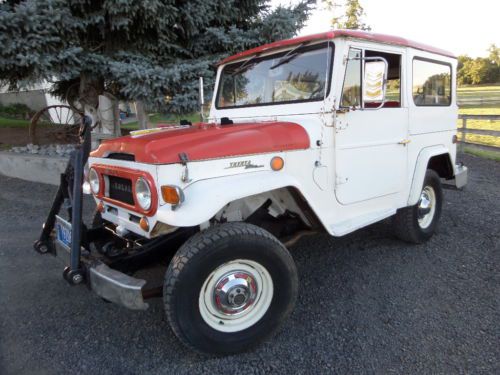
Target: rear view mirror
{"points": [[374, 82]]}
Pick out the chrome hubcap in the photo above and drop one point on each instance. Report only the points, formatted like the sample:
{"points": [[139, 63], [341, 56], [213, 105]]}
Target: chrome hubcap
{"points": [[426, 207], [236, 295], [235, 292]]}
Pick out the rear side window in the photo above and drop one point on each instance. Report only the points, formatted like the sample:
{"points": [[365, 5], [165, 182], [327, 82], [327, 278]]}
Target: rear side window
{"points": [[431, 83]]}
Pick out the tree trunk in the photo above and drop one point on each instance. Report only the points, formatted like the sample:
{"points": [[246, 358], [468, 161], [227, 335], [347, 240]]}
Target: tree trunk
{"points": [[142, 116], [90, 89]]}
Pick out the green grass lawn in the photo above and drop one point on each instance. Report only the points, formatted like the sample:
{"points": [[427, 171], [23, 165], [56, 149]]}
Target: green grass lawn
{"points": [[158, 118], [478, 93], [471, 95], [13, 123], [492, 155], [481, 124], [154, 119]]}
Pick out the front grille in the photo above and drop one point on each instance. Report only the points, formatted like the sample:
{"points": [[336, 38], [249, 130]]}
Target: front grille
{"points": [[120, 189]]}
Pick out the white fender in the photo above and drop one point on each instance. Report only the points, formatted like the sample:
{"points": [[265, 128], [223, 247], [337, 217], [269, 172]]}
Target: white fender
{"points": [[420, 168], [203, 199]]}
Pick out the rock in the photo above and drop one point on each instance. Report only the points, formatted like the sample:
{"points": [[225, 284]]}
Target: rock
{"points": [[55, 150]]}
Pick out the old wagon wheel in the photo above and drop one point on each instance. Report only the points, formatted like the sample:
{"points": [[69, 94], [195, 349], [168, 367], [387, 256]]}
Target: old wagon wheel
{"points": [[59, 123]]}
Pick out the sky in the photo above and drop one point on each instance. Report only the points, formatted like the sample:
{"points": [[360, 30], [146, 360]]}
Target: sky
{"points": [[462, 27]]}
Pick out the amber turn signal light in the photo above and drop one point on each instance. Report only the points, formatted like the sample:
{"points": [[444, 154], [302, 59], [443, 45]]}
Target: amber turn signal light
{"points": [[144, 224], [277, 163], [172, 194]]}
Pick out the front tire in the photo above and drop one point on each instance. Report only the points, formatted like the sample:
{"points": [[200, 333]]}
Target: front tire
{"points": [[229, 288], [417, 224]]}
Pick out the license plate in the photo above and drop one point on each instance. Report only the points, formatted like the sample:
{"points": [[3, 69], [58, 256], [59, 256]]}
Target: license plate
{"points": [[63, 232]]}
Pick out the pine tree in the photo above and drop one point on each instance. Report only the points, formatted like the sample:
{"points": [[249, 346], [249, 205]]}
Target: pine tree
{"points": [[352, 18], [150, 50]]}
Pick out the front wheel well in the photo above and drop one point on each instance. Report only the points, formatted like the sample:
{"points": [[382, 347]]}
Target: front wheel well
{"points": [[442, 165], [283, 212]]}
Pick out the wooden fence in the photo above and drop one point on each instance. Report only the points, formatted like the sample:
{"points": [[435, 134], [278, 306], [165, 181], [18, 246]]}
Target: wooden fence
{"points": [[464, 130]]}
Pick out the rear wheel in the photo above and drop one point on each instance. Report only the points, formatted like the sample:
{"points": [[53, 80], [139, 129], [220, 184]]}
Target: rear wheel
{"points": [[228, 288], [418, 223]]}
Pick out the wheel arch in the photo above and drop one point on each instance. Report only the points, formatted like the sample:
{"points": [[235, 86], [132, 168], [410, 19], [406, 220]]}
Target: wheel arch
{"points": [[277, 201], [207, 198], [437, 158], [442, 165]]}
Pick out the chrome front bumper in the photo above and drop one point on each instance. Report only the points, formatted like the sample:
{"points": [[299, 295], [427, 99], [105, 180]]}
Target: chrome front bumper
{"points": [[112, 285], [460, 175]]}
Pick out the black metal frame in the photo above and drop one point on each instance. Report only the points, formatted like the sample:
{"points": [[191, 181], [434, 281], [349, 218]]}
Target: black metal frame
{"points": [[70, 196], [70, 190]]}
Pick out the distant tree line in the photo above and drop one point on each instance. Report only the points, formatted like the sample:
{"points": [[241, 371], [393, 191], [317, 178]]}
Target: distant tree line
{"points": [[481, 69]]}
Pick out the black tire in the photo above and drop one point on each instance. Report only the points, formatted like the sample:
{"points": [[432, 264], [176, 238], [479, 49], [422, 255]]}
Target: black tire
{"points": [[203, 254], [406, 221]]}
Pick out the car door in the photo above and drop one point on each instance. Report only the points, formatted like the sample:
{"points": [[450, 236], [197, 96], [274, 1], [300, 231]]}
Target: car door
{"points": [[370, 143]]}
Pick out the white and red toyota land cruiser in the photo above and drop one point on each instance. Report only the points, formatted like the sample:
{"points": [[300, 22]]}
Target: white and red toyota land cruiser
{"points": [[325, 133]]}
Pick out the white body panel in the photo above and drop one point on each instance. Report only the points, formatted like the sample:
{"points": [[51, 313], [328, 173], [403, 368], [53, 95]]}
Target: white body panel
{"points": [[356, 171]]}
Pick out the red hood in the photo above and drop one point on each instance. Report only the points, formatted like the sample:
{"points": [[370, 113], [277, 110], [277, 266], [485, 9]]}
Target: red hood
{"points": [[206, 141]]}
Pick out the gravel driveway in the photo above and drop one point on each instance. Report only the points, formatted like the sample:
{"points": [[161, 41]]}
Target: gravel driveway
{"points": [[368, 303]]}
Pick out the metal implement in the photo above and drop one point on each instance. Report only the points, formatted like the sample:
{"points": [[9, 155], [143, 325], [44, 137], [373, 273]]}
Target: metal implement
{"points": [[70, 190], [72, 239]]}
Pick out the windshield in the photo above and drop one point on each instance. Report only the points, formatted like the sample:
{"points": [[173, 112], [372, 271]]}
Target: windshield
{"points": [[301, 74]]}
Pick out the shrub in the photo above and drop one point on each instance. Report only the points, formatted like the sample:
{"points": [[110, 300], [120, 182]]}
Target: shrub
{"points": [[16, 111]]}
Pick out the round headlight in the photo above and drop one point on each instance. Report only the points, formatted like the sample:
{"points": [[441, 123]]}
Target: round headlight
{"points": [[143, 193], [94, 181]]}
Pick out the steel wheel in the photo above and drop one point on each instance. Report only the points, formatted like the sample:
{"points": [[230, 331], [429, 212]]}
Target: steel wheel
{"points": [[59, 122], [236, 295], [221, 288], [426, 207], [418, 223]]}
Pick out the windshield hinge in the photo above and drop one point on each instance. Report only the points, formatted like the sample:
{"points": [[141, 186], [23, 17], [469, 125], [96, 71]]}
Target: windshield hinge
{"points": [[340, 125], [185, 173]]}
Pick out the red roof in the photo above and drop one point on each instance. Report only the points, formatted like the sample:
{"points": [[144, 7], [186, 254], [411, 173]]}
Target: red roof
{"points": [[356, 34]]}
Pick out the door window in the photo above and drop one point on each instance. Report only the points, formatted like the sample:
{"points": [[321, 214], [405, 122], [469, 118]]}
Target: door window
{"points": [[351, 92]]}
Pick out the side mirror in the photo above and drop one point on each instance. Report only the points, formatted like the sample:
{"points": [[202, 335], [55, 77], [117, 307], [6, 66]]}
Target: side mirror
{"points": [[374, 81]]}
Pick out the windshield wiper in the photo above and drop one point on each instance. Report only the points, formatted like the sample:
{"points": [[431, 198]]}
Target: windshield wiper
{"points": [[245, 65], [290, 55]]}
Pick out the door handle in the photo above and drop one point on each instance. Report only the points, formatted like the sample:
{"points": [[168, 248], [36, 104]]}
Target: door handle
{"points": [[404, 142]]}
